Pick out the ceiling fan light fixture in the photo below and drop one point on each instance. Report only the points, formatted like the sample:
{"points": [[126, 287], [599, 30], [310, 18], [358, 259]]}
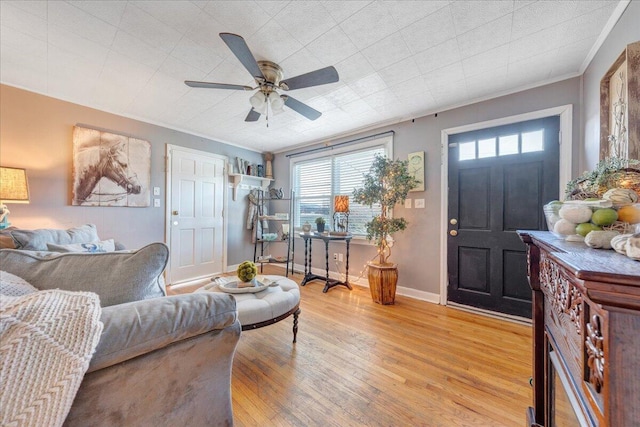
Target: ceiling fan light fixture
{"points": [[277, 104], [259, 102], [269, 78]]}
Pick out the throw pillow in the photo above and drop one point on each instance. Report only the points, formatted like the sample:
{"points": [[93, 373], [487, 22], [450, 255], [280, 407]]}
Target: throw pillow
{"points": [[93, 247], [14, 286], [117, 277], [36, 240]]}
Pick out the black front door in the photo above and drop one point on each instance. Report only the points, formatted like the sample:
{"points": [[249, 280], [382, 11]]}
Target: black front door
{"points": [[499, 179]]}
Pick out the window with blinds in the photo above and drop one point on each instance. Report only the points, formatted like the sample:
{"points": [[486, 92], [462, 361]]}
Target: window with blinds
{"points": [[318, 179]]}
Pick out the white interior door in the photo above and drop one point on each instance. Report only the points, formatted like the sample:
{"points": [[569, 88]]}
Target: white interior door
{"points": [[196, 214]]}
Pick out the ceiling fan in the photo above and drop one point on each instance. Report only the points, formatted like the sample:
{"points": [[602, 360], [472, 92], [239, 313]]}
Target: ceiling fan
{"points": [[269, 78]]}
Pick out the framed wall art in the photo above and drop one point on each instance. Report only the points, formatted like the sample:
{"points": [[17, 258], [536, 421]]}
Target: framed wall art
{"points": [[416, 169], [110, 169], [620, 106]]}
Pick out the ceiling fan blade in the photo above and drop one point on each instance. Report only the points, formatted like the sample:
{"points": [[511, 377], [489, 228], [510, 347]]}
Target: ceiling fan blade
{"points": [[210, 85], [314, 78], [253, 116], [302, 108], [240, 49]]}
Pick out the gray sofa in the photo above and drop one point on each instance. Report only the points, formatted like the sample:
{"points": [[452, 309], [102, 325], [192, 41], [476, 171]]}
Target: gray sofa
{"points": [[161, 360]]}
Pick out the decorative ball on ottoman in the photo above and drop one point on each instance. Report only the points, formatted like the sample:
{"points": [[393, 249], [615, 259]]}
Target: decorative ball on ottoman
{"points": [[247, 271]]}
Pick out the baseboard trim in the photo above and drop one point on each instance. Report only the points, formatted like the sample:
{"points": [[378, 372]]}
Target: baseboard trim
{"points": [[199, 280], [493, 314], [363, 282], [419, 295]]}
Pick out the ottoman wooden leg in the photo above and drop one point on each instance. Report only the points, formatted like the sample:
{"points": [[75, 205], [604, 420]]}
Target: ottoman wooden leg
{"points": [[295, 324]]}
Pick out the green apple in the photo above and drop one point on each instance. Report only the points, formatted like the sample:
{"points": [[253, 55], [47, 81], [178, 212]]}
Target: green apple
{"points": [[585, 228], [606, 216]]}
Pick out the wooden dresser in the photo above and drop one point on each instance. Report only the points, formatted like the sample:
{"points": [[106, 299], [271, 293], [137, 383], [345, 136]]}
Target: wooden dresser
{"points": [[586, 334]]}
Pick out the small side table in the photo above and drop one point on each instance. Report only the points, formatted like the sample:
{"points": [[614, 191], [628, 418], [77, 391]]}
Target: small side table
{"points": [[308, 276]]}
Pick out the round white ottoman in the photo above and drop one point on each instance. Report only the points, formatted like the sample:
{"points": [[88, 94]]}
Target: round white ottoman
{"points": [[267, 307]]}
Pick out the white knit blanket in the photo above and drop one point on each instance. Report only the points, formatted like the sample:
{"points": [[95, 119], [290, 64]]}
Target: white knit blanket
{"points": [[46, 342]]}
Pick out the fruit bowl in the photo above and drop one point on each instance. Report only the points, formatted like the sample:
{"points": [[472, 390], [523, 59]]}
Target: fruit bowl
{"points": [[572, 220]]}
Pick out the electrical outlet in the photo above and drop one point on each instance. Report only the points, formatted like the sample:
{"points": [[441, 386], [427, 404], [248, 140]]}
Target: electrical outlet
{"points": [[335, 256], [407, 204], [419, 203], [340, 257], [156, 203], [156, 191]]}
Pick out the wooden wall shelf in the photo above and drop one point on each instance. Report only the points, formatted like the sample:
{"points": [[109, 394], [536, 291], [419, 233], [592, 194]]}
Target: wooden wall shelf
{"points": [[248, 182]]}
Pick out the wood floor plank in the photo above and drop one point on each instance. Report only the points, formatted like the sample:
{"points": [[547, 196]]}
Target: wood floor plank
{"points": [[357, 363]]}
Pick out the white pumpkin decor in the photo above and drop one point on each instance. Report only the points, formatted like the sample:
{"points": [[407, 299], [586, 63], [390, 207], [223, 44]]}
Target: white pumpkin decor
{"points": [[600, 239], [633, 246], [576, 214], [621, 196], [619, 243], [565, 227]]}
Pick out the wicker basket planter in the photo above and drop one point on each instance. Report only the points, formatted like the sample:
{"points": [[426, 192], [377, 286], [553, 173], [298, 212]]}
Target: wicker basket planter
{"points": [[382, 282], [621, 178]]}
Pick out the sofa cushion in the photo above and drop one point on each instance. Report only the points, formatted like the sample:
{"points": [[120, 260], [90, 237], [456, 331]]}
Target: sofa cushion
{"points": [[36, 240], [92, 247], [14, 286], [117, 277], [139, 327]]}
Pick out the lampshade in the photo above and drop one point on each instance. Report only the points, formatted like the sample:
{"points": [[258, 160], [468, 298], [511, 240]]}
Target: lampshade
{"points": [[259, 102], [277, 104], [341, 204], [13, 185]]}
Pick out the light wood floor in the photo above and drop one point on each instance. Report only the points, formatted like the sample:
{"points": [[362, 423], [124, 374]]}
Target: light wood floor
{"points": [[357, 363]]}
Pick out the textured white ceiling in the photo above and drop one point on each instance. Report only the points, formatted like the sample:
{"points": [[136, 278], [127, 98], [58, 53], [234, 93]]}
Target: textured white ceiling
{"points": [[396, 59]]}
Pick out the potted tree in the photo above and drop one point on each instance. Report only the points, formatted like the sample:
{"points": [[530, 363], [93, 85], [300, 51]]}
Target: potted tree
{"points": [[386, 184]]}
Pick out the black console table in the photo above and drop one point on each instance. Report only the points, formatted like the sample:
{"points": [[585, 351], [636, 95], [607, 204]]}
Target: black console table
{"points": [[308, 276]]}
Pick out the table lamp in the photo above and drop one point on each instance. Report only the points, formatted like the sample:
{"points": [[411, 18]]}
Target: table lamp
{"points": [[13, 189], [341, 214]]}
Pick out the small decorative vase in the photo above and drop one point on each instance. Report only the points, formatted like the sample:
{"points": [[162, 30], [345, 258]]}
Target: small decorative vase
{"points": [[306, 227], [320, 228]]}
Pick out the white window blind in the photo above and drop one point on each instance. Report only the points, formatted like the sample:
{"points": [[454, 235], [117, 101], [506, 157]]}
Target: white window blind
{"points": [[317, 180]]}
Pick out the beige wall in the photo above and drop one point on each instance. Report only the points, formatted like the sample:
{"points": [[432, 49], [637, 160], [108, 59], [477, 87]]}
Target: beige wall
{"points": [[36, 133]]}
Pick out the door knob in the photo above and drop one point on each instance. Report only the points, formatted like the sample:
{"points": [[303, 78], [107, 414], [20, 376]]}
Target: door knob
{"points": [[174, 213], [454, 233], [453, 221]]}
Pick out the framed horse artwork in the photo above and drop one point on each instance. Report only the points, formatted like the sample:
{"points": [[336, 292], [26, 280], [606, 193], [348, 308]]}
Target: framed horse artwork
{"points": [[110, 169]]}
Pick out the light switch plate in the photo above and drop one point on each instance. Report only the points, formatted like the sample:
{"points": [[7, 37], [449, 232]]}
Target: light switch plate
{"points": [[419, 203], [156, 191], [407, 204], [156, 203]]}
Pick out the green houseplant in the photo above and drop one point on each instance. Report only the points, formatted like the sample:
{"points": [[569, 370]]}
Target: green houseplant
{"points": [[386, 184], [320, 224]]}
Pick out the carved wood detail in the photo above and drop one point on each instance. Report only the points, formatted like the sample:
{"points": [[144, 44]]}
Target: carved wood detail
{"points": [[575, 308], [595, 353], [565, 298]]}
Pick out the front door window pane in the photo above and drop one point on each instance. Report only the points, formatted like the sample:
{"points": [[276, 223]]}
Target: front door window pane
{"points": [[532, 141], [486, 148], [507, 145], [467, 150]]}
